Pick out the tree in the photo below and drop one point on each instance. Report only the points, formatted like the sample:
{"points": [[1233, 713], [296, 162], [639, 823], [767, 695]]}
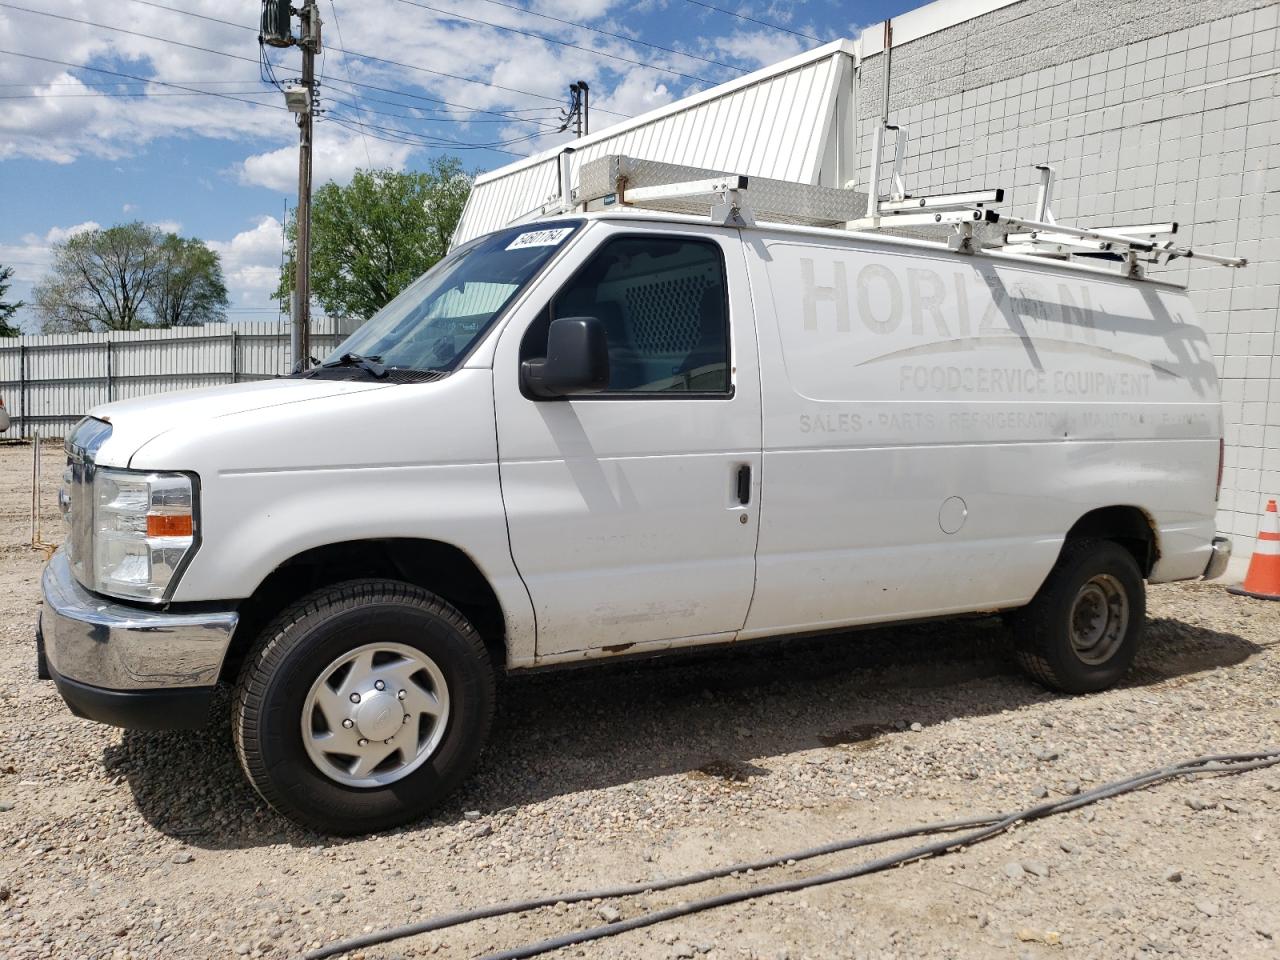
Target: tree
{"points": [[7, 309], [128, 277], [373, 237], [190, 289]]}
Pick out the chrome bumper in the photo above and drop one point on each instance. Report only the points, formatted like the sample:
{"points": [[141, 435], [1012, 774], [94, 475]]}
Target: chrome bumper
{"points": [[117, 647], [1219, 557]]}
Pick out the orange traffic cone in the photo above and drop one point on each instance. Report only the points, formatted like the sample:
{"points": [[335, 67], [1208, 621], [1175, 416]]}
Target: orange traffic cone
{"points": [[1263, 579]]}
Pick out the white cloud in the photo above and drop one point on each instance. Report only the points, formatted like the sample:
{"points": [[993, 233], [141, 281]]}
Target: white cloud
{"points": [[129, 208], [335, 158], [29, 261], [59, 234], [639, 93], [762, 47], [168, 226], [71, 119], [251, 262], [575, 9]]}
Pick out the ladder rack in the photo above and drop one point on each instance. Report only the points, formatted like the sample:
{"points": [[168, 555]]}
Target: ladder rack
{"points": [[967, 222]]}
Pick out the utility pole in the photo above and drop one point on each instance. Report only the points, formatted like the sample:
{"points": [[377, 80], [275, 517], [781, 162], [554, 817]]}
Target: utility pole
{"points": [[310, 43], [577, 114], [277, 31]]}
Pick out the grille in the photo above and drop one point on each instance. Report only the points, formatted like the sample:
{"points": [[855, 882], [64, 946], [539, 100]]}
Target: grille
{"points": [[394, 375], [666, 314]]}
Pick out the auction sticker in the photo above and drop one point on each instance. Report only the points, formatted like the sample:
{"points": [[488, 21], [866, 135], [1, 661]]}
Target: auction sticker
{"points": [[540, 238]]}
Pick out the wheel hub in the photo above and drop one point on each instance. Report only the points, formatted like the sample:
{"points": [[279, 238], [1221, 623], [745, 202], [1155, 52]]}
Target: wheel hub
{"points": [[1099, 619], [378, 716], [375, 714]]}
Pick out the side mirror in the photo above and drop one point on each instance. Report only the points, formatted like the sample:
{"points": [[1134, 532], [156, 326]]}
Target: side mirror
{"points": [[577, 360]]}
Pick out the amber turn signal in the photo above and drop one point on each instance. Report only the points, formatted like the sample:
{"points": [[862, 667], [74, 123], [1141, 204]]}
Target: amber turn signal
{"points": [[169, 525]]}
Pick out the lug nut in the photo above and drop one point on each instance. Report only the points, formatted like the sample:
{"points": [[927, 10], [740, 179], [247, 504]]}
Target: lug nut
{"points": [[362, 742], [401, 694], [348, 723], [379, 685], [355, 698], [388, 740]]}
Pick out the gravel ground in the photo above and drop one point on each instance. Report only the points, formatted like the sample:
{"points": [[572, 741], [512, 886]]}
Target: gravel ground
{"points": [[128, 844]]}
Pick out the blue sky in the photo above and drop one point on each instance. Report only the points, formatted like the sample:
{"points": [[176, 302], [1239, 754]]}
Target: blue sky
{"points": [[79, 148]]}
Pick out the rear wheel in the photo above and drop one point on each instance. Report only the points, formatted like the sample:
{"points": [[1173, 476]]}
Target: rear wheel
{"points": [[1081, 631], [362, 706]]}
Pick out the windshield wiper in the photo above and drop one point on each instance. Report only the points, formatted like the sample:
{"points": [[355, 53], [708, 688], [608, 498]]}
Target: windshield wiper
{"points": [[372, 365]]}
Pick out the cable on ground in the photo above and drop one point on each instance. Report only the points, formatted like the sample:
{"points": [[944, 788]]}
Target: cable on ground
{"points": [[987, 826]]}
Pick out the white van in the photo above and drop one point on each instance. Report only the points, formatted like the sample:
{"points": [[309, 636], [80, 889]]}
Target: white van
{"points": [[620, 433]]}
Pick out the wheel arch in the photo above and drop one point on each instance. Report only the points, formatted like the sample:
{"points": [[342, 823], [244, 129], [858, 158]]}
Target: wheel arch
{"points": [[1130, 526], [443, 568]]}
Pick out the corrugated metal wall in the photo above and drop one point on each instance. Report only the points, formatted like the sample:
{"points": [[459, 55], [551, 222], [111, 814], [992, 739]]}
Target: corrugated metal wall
{"points": [[50, 381], [775, 125]]}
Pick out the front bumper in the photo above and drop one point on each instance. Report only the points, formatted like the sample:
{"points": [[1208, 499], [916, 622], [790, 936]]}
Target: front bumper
{"points": [[1219, 557], [125, 665]]}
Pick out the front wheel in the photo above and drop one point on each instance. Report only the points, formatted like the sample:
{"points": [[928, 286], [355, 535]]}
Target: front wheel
{"points": [[1081, 631], [362, 706]]}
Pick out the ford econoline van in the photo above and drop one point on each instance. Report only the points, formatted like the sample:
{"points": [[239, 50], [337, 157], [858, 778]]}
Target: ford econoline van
{"points": [[616, 434]]}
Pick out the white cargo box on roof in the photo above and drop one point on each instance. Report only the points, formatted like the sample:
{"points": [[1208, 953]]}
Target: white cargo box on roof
{"points": [[792, 128], [791, 121]]}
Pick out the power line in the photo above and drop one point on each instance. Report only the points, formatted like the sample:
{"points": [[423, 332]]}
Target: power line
{"points": [[348, 124], [198, 16], [233, 56], [509, 114], [453, 76], [132, 76], [444, 142], [763, 23], [423, 141], [346, 68], [562, 43], [129, 83], [363, 56], [107, 95], [516, 113], [360, 98], [616, 36], [429, 139], [358, 102]]}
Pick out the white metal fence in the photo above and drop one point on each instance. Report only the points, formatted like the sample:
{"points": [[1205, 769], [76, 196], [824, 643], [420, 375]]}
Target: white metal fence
{"points": [[50, 381]]}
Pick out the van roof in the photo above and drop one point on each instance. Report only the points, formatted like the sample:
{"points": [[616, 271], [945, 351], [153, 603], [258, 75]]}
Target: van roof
{"points": [[873, 238]]}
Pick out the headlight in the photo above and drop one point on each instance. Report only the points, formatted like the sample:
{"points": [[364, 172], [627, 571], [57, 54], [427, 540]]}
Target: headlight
{"points": [[144, 527]]}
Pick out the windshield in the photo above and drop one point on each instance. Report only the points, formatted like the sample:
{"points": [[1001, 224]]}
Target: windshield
{"points": [[441, 315]]}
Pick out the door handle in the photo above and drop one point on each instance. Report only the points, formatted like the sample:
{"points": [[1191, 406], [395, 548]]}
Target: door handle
{"points": [[744, 484]]}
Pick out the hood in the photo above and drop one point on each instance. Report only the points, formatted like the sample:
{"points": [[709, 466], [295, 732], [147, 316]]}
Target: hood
{"points": [[134, 422]]}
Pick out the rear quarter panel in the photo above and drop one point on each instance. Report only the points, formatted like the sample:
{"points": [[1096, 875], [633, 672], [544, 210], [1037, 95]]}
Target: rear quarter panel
{"points": [[909, 390]]}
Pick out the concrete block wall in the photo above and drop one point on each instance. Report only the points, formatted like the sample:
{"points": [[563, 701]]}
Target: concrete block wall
{"points": [[1150, 111]]}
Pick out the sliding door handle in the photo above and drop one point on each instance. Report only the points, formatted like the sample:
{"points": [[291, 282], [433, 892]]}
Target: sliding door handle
{"points": [[744, 484]]}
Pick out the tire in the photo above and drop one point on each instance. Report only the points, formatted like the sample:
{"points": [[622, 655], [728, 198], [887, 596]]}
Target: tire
{"points": [[1094, 592], [399, 627]]}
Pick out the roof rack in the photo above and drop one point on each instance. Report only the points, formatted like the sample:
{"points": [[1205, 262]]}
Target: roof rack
{"points": [[966, 219]]}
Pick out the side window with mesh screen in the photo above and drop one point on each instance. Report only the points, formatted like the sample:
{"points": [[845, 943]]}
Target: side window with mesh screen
{"points": [[664, 307]]}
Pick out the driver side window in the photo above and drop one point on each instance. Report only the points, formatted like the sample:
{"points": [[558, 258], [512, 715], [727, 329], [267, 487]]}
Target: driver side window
{"points": [[664, 306]]}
